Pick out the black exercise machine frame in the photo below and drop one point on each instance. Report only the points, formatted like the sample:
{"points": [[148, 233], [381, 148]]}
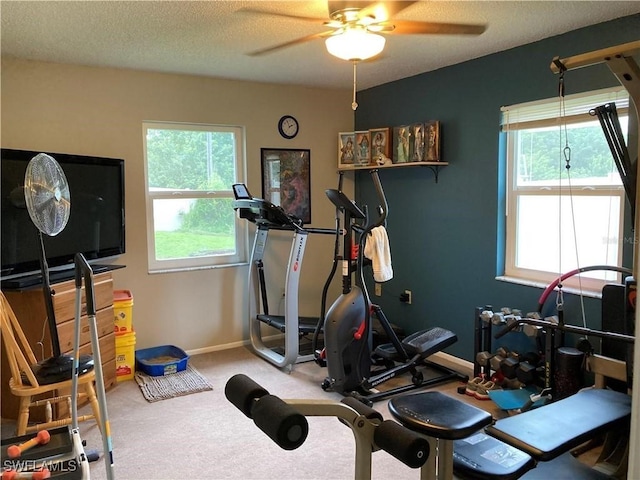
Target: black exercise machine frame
{"points": [[404, 362]]}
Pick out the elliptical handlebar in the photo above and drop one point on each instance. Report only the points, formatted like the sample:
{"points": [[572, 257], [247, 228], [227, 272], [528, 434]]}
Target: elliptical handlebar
{"points": [[383, 207]]}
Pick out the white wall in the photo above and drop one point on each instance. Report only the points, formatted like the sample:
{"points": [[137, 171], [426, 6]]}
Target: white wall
{"points": [[99, 111]]}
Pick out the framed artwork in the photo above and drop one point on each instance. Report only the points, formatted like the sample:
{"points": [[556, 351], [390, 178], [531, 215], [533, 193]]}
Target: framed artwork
{"points": [[286, 180], [416, 145], [380, 145], [346, 149], [401, 143], [432, 141], [363, 148]]}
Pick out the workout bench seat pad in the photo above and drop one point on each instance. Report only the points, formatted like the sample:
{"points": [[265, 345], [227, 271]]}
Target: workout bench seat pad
{"points": [[481, 457], [549, 431], [437, 415]]}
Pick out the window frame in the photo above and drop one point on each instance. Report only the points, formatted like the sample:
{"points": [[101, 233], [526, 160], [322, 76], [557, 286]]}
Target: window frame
{"points": [[575, 113], [240, 256]]}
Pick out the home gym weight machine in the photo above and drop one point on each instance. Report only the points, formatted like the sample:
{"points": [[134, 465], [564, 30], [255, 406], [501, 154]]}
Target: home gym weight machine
{"points": [[266, 217], [347, 326], [620, 61], [285, 422]]}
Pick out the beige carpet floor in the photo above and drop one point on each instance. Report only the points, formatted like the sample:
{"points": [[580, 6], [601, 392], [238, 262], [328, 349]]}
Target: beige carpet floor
{"points": [[203, 436]]}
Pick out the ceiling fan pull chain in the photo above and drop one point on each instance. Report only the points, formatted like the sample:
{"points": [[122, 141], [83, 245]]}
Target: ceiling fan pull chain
{"points": [[354, 104]]}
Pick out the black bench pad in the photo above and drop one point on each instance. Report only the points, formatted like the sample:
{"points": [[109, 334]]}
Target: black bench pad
{"points": [[437, 415], [565, 467], [549, 431], [483, 457]]}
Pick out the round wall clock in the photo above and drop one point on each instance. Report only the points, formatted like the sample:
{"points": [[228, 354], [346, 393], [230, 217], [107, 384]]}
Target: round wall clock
{"points": [[288, 126]]}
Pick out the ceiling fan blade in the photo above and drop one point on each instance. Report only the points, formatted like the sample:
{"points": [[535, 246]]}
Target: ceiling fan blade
{"points": [[383, 11], [285, 15], [410, 28], [291, 43]]}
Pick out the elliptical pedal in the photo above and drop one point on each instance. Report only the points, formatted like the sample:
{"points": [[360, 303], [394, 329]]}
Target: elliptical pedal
{"points": [[428, 342], [386, 351]]}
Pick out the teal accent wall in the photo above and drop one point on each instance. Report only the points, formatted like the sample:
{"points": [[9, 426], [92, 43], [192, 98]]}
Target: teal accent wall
{"points": [[444, 236]]}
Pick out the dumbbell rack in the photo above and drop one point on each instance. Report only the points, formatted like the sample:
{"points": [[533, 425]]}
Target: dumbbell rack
{"points": [[483, 342], [481, 339], [553, 338]]}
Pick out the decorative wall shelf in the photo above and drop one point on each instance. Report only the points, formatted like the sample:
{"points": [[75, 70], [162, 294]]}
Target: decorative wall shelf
{"points": [[433, 166]]}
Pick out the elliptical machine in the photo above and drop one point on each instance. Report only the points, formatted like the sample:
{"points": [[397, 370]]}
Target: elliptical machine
{"points": [[348, 352]]}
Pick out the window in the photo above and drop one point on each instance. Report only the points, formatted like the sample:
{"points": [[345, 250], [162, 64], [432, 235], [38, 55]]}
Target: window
{"points": [[560, 219], [190, 218]]}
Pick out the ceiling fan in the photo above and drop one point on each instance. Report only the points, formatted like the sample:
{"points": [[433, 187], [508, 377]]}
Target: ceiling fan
{"points": [[354, 28]]}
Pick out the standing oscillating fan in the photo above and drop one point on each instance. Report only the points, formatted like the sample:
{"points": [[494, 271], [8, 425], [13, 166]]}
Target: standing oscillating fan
{"points": [[47, 197]]}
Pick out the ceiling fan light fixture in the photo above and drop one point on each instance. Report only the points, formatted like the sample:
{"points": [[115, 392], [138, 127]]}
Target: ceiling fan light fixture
{"points": [[355, 44]]}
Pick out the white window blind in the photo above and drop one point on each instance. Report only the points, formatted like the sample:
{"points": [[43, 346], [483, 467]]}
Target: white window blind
{"points": [[543, 113]]}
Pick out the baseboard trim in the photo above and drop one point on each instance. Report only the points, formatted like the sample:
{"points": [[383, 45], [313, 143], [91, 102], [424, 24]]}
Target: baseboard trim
{"points": [[227, 346], [217, 348], [458, 364], [441, 358]]}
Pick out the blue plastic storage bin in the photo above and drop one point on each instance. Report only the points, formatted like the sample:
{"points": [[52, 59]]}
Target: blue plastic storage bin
{"points": [[163, 360]]}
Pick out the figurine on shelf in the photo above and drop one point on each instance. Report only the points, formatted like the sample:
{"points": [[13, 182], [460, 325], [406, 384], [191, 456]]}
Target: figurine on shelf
{"points": [[346, 152], [432, 142], [417, 152], [363, 154], [401, 152]]}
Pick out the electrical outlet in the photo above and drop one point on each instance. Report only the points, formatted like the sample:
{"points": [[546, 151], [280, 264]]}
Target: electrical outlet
{"points": [[378, 289], [409, 297]]}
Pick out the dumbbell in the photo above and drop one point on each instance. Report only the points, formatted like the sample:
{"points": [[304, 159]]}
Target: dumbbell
{"points": [[531, 331], [552, 319], [526, 373], [513, 318], [486, 316], [482, 358], [36, 475], [509, 366], [497, 358], [529, 369], [42, 438], [511, 384], [531, 374]]}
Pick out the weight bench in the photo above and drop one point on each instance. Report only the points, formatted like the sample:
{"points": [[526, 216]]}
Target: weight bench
{"points": [[516, 443], [454, 429], [550, 431]]}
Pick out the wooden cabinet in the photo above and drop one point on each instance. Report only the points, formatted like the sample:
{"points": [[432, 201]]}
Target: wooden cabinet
{"points": [[29, 307]]}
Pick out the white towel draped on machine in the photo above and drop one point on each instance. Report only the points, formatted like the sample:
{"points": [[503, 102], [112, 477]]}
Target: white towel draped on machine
{"points": [[377, 250]]}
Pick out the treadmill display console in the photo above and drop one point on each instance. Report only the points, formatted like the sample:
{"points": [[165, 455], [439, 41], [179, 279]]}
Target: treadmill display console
{"points": [[262, 212]]}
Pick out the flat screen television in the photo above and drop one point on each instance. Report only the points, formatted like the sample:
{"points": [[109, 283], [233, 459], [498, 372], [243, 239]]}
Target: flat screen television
{"points": [[96, 226]]}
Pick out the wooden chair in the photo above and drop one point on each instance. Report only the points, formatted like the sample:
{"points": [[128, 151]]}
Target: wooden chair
{"points": [[24, 384]]}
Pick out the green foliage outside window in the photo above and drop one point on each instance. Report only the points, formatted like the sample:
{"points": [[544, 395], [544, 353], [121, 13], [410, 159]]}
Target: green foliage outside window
{"points": [[541, 154], [195, 161]]}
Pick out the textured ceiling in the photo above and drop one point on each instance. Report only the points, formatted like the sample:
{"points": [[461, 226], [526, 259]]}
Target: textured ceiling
{"points": [[212, 38]]}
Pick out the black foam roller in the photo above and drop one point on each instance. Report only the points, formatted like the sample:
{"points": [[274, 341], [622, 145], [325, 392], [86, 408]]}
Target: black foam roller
{"points": [[407, 446], [280, 421], [362, 409], [241, 391]]}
